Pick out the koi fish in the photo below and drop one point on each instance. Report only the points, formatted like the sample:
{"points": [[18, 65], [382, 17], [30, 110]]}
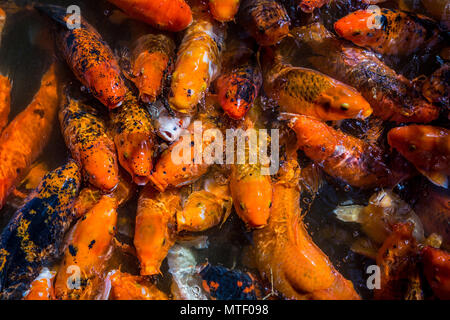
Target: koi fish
{"points": [[170, 173], [437, 271], [433, 208], [436, 88], [34, 235], [170, 127], [285, 252], [397, 259], [198, 61], [309, 92], [85, 134], [125, 286], [391, 96], [151, 61], [155, 223], [225, 284], [134, 139], [265, 20], [5, 101], [90, 196], [207, 207], [42, 287], [89, 57], [224, 10], [240, 82], [251, 190], [427, 148], [385, 209], [388, 31], [23, 140], [342, 156], [170, 15], [89, 248]]}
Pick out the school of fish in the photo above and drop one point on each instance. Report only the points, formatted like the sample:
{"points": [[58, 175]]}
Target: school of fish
{"points": [[325, 86]]}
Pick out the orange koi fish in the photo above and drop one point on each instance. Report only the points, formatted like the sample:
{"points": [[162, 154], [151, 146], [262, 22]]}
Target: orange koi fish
{"points": [[155, 223], [391, 96], [397, 259], [377, 219], [224, 10], [265, 20], [134, 138], [427, 147], [42, 287], [5, 101], [34, 236], [170, 15], [388, 31], [285, 252], [85, 133], [350, 159], [240, 82], [125, 286], [309, 92], [251, 190], [198, 61], [207, 207], [90, 58], [22, 141], [170, 173], [151, 62], [90, 196], [437, 271], [88, 250], [433, 209]]}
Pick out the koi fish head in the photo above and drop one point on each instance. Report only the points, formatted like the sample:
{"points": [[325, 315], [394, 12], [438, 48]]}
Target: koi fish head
{"points": [[403, 139], [343, 102], [361, 27]]}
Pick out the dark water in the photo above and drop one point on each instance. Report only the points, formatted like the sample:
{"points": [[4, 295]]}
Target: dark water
{"points": [[26, 53]]}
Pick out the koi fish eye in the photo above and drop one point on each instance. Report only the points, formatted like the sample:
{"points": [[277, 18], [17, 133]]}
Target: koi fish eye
{"points": [[345, 106]]}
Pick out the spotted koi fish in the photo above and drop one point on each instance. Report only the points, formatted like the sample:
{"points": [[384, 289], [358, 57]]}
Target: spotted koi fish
{"points": [[34, 235], [90, 58], [88, 249], [266, 20], [198, 61], [392, 96], [225, 284], [151, 62], [388, 31], [309, 92], [85, 133], [134, 139], [241, 80]]}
